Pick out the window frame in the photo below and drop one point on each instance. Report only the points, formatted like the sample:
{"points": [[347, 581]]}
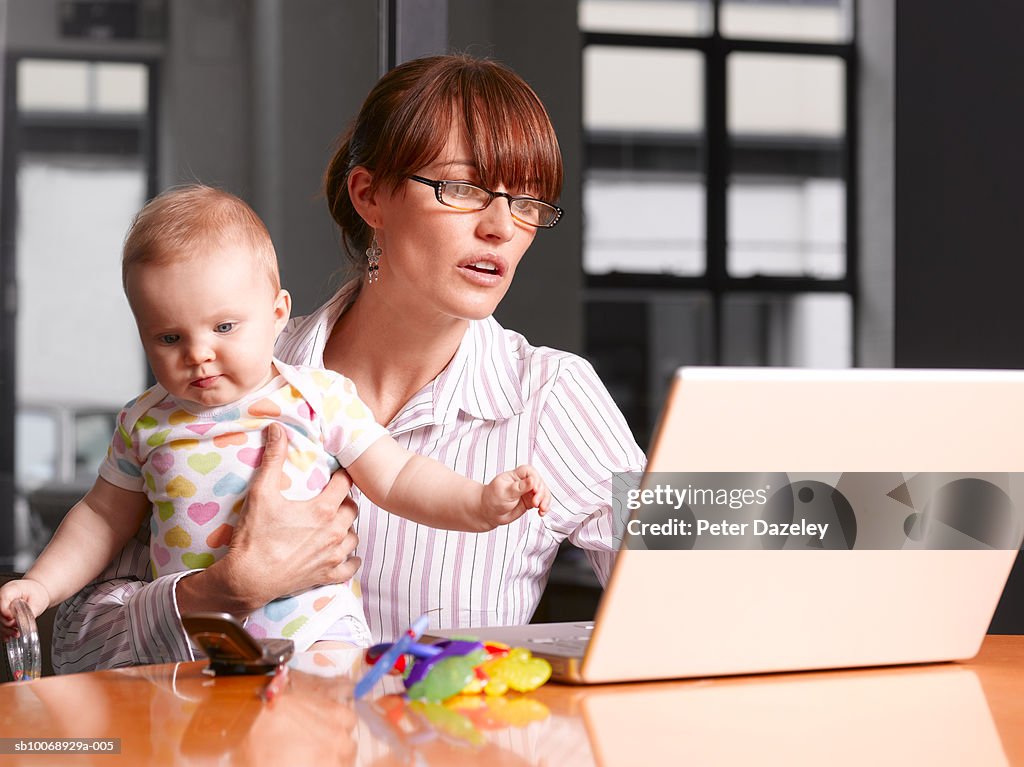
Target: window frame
{"points": [[716, 281]]}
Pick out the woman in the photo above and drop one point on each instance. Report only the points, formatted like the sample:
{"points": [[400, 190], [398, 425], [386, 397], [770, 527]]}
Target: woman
{"points": [[439, 187]]}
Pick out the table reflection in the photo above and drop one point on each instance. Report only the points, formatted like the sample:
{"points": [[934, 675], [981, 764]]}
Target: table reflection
{"points": [[176, 714], [933, 715]]}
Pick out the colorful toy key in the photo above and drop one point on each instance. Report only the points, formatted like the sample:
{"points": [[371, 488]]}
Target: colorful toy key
{"points": [[452, 667]]}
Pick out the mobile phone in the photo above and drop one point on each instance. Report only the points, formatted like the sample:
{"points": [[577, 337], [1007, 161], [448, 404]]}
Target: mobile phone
{"points": [[233, 650]]}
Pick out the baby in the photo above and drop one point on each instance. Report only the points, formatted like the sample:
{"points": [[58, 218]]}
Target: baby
{"points": [[200, 274]]}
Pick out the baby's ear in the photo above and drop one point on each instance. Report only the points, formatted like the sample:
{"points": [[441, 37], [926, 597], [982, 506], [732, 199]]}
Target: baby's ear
{"points": [[282, 310]]}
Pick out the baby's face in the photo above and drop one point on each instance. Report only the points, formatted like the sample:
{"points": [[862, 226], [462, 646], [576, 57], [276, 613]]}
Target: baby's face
{"points": [[208, 324]]}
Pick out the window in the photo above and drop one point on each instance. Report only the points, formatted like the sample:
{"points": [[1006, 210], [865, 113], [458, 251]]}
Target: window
{"points": [[80, 160], [718, 199], [83, 164]]}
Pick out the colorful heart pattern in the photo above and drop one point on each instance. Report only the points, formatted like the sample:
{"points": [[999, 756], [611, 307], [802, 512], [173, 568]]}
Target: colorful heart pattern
{"points": [[317, 481], [228, 440], [156, 439], [256, 630], [280, 609], [196, 471], [265, 408], [251, 456], [229, 484], [128, 468], [177, 538], [331, 406], [220, 537], [293, 626], [303, 459], [162, 461], [179, 417], [179, 487], [204, 463], [321, 603], [197, 561], [356, 410], [160, 554], [201, 513]]}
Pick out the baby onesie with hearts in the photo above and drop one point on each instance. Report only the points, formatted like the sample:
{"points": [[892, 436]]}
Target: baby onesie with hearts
{"points": [[195, 466]]}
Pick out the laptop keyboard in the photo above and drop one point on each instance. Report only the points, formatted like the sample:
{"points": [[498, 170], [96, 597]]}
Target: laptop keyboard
{"points": [[571, 646]]}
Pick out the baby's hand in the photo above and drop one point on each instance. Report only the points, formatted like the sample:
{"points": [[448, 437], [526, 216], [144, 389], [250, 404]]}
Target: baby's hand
{"points": [[511, 493], [33, 592]]}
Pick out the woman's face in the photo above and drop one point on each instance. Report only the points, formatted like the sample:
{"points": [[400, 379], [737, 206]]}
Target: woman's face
{"points": [[455, 263]]}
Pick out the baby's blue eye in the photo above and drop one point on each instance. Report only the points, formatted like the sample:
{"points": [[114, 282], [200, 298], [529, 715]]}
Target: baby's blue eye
{"points": [[170, 338], [225, 327]]}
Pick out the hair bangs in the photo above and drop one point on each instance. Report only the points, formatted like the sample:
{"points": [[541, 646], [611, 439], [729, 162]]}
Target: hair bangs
{"points": [[512, 141], [416, 129], [508, 131]]}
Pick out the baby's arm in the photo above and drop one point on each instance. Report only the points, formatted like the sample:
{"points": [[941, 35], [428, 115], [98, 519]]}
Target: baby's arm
{"points": [[430, 493], [91, 533]]}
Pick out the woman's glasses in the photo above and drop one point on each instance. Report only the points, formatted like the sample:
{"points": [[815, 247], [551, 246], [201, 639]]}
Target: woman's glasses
{"points": [[463, 195]]}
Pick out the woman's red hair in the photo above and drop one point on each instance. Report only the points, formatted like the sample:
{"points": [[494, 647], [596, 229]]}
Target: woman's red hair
{"points": [[406, 121]]}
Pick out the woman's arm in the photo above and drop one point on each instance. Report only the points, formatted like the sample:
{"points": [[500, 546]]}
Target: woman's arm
{"points": [[120, 620], [582, 440]]}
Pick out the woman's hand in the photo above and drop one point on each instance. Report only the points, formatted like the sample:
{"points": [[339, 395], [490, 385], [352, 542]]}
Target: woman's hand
{"points": [[279, 547]]}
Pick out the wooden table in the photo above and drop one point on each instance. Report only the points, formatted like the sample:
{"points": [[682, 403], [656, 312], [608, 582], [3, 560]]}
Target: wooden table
{"points": [[971, 713]]}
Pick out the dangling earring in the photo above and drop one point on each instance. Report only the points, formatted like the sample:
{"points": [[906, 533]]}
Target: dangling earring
{"points": [[373, 254]]}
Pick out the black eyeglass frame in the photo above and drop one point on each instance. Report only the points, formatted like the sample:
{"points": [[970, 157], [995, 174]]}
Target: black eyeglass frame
{"points": [[439, 185]]}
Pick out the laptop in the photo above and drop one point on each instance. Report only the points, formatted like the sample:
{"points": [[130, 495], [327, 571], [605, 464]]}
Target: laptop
{"points": [[890, 439]]}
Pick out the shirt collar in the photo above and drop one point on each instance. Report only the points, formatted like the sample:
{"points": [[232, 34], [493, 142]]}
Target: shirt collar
{"points": [[482, 379]]}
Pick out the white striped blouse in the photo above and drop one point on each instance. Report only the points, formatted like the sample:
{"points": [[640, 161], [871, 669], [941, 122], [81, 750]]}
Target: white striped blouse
{"points": [[499, 403]]}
